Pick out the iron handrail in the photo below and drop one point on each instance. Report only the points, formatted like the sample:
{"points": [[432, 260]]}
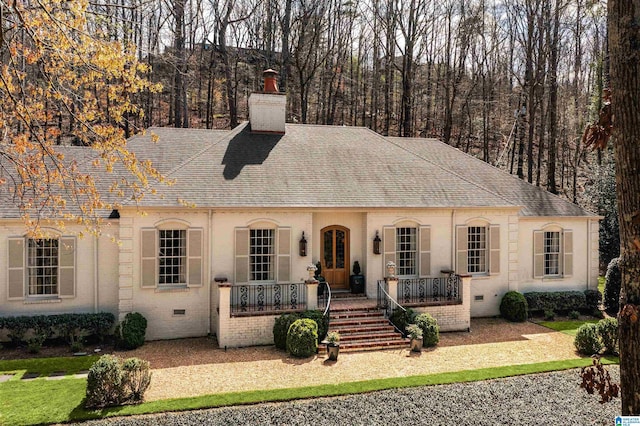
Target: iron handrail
{"points": [[388, 299], [327, 310]]}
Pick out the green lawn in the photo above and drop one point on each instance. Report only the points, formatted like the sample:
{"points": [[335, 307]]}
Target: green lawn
{"points": [[566, 327], [22, 403], [46, 366]]}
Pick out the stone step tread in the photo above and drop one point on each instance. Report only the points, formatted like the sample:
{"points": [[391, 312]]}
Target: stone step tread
{"points": [[369, 336], [359, 321], [356, 314], [353, 308], [362, 329]]}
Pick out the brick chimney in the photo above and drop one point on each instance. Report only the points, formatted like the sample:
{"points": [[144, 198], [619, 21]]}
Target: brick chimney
{"points": [[267, 109]]}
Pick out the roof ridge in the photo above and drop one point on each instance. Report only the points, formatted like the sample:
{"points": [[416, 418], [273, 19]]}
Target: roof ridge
{"points": [[389, 139], [511, 176], [228, 134]]}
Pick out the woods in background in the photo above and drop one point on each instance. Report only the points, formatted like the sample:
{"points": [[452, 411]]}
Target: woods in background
{"points": [[513, 82]]}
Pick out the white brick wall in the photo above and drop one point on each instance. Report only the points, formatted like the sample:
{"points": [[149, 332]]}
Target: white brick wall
{"points": [[453, 317]]}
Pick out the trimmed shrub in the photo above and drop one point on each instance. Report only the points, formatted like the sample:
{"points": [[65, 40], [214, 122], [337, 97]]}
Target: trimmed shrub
{"points": [[17, 327], [70, 327], [608, 332], [514, 307], [104, 383], [112, 381], [574, 315], [430, 329], [321, 321], [302, 338], [549, 315], [401, 318], [587, 339], [593, 298], [136, 379], [557, 301], [613, 281], [281, 328], [131, 331]]}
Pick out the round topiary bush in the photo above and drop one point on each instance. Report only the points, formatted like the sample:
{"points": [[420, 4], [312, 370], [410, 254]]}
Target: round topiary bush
{"points": [[131, 331], [302, 338], [281, 328], [613, 280], [514, 307], [430, 329], [608, 332], [321, 321], [587, 339]]}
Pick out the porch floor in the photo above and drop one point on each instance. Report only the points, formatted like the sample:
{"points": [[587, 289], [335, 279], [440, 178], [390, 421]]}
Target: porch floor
{"points": [[352, 302]]}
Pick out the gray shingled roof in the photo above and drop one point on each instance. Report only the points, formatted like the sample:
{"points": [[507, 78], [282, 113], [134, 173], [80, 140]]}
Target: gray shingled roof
{"points": [[325, 166], [534, 200]]}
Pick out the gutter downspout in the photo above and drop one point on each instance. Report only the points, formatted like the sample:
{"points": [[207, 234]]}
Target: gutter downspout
{"points": [[453, 240], [208, 275], [96, 285]]}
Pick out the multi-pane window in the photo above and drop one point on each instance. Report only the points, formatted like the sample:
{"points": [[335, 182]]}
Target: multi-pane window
{"points": [[173, 256], [552, 253], [477, 249], [42, 265], [262, 254], [406, 251]]}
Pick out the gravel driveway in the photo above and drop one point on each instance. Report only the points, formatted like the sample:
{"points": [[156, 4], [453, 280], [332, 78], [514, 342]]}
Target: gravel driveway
{"points": [[539, 399]]}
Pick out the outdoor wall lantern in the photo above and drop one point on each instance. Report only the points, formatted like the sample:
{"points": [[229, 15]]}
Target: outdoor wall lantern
{"points": [[376, 244], [303, 245]]}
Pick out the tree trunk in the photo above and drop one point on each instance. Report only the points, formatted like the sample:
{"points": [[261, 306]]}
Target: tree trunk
{"points": [[624, 51]]}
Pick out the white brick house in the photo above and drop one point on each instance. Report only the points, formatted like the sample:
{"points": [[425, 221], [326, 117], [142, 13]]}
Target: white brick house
{"points": [[255, 192]]}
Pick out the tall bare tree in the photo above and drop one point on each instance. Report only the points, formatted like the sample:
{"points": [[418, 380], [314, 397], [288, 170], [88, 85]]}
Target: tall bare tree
{"points": [[624, 51]]}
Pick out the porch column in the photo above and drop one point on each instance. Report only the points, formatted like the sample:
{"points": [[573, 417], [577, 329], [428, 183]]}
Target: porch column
{"points": [[312, 287], [224, 314], [312, 294], [392, 287], [466, 298], [392, 280]]}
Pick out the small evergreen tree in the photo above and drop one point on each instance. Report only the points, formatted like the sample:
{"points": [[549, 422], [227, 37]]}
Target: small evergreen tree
{"points": [[612, 287]]}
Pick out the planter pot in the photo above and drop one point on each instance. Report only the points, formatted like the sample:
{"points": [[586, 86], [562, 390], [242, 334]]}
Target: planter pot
{"points": [[416, 345], [356, 283], [332, 351]]}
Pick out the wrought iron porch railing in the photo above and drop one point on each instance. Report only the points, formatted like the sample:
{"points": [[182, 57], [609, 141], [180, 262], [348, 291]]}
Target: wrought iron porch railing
{"points": [[432, 291], [265, 298]]}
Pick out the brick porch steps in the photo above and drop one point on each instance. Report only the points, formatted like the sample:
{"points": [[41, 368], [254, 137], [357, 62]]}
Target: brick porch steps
{"points": [[363, 328]]}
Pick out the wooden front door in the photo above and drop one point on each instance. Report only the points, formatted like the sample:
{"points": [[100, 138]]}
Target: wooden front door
{"points": [[335, 256]]}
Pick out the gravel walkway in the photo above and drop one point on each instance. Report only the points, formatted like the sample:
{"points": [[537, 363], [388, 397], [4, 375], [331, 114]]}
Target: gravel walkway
{"points": [[540, 399]]}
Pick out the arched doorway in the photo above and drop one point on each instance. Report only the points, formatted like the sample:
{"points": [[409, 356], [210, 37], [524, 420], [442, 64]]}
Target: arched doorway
{"points": [[335, 255]]}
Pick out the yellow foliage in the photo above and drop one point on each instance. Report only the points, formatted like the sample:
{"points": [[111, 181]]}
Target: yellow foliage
{"points": [[62, 67]]}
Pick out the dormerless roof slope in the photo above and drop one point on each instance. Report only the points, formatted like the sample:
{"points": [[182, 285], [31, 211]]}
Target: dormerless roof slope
{"points": [[329, 167]]}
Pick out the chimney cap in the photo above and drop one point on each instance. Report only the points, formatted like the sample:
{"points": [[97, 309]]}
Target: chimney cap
{"points": [[269, 72]]}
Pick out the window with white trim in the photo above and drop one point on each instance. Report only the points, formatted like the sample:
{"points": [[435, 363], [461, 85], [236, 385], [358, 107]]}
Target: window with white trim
{"points": [[406, 251], [172, 256], [262, 254], [551, 253], [42, 267], [476, 249]]}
